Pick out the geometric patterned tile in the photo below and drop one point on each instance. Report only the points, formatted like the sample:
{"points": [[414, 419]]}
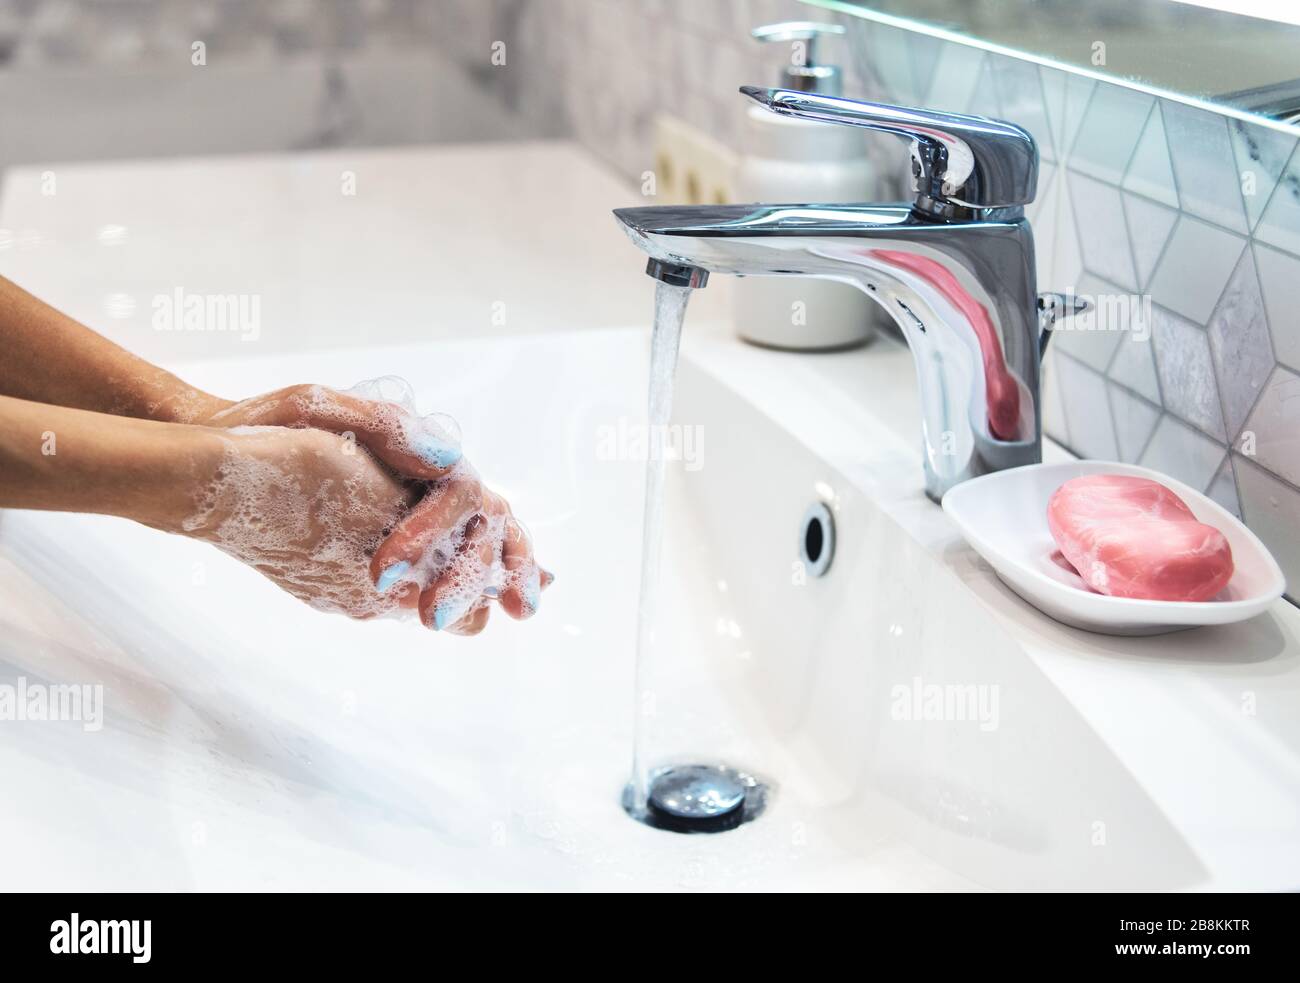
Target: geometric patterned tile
{"points": [[1067, 256], [985, 100], [1261, 153], [1135, 421], [1186, 371], [1279, 279], [1272, 510], [1053, 83], [1055, 422], [1066, 96], [1020, 99], [1046, 179], [1103, 233], [1109, 132], [925, 52], [1239, 341], [1183, 453], [891, 57], [1044, 219], [1149, 226], [1204, 165], [1223, 489], [1134, 366], [1091, 337], [1083, 393], [1280, 224], [1275, 427], [1149, 172], [954, 79], [1195, 268]]}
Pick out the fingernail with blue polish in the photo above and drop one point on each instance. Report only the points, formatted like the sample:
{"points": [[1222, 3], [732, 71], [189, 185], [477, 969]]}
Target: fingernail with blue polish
{"points": [[448, 613], [490, 592], [434, 451], [532, 592], [391, 575]]}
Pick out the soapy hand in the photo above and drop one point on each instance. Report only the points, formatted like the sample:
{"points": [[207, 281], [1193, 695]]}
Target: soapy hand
{"points": [[461, 547], [379, 414], [451, 548], [305, 509]]}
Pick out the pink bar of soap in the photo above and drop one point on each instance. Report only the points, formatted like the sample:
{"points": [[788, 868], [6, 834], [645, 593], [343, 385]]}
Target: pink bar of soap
{"points": [[1133, 537]]}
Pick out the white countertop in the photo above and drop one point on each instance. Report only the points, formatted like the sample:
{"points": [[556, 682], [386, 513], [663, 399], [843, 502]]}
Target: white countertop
{"points": [[456, 241]]}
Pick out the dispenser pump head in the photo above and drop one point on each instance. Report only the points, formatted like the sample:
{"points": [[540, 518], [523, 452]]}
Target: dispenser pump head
{"points": [[803, 72]]}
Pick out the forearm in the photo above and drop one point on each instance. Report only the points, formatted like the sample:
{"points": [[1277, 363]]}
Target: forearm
{"points": [[61, 459], [50, 358]]}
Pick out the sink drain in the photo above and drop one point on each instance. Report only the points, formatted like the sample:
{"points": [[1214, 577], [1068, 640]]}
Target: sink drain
{"points": [[698, 799], [817, 539]]}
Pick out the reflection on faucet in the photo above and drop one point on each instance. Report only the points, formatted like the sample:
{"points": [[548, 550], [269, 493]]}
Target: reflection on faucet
{"points": [[1002, 392]]}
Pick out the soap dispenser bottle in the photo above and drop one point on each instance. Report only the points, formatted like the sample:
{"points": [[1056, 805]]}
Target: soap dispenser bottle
{"points": [[795, 160]]}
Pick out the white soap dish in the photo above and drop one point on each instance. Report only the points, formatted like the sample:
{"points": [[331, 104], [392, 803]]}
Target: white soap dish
{"points": [[1004, 517]]}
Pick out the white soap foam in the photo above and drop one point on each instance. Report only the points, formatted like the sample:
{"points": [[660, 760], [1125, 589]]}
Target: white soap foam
{"points": [[315, 538]]}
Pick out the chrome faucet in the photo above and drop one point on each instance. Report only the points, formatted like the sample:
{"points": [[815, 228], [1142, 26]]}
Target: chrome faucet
{"points": [[954, 268]]}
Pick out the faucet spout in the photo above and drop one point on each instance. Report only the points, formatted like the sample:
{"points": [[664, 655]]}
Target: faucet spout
{"points": [[676, 274]]}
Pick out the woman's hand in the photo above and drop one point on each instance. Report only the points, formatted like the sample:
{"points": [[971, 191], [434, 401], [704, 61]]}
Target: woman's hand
{"points": [[306, 509], [461, 547], [322, 519], [380, 415]]}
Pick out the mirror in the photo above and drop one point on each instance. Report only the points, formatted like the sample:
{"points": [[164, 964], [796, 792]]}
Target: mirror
{"points": [[1241, 54]]}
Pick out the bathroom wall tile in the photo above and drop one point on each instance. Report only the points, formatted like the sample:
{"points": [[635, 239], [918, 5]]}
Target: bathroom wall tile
{"points": [[1093, 337], [1204, 165], [1261, 153], [1280, 223], [1271, 508], [1195, 268], [984, 101], [1067, 253], [1055, 421], [1078, 96], [1149, 226], [1186, 371], [1103, 233], [1046, 178], [1110, 132], [1239, 341], [1053, 85], [1223, 489], [925, 60], [891, 59], [1134, 366], [1183, 453], [1020, 100], [1150, 172], [1135, 421], [1274, 427], [1083, 393], [1279, 279], [955, 77], [1044, 218]]}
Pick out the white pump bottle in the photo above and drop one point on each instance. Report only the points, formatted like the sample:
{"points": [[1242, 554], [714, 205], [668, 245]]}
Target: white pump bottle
{"points": [[793, 160]]}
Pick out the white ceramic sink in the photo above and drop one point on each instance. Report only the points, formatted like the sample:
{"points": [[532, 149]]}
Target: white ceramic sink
{"points": [[250, 742]]}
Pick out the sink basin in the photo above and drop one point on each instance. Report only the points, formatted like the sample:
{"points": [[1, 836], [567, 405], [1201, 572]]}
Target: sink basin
{"points": [[921, 726]]}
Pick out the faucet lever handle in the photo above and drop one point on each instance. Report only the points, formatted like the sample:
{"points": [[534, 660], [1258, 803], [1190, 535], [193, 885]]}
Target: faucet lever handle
{"points": [[958, 162]]}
